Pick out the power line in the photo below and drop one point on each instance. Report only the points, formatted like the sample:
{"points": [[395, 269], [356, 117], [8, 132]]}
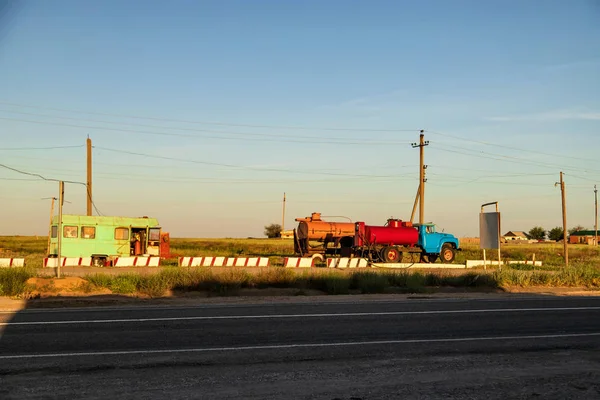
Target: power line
{"points": [[237, 166], [321, 138], [510, 147], [39, 148], [212, 123], [585, 179], [266, 127], [505, 158], [495, 176], [19, 179], [312, 141], [75, 165], [48, 179]]}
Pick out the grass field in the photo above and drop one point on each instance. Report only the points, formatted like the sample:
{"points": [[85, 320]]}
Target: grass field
{"points": [[584, 271]]}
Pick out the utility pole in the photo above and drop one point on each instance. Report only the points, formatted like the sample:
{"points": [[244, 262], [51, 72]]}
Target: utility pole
{"points": [[596, 217], [61, 199], [89, 176], [283, 217], [564, 216], [412, 215], [422, 180], [50, 226]]}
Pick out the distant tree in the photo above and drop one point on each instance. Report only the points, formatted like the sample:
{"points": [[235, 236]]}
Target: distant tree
{"points": [[537, 233], [576, 229], [556, 234], [273, 231]]}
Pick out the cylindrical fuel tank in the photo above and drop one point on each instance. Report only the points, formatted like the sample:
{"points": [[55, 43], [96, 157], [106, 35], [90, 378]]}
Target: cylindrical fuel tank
{"points": [[319, 230], [395, 233], [314, 228]]}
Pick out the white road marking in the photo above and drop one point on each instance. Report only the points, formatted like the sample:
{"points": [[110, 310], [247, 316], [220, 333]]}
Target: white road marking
{"points": [[322, 315], [294, 346], [291, 303]]}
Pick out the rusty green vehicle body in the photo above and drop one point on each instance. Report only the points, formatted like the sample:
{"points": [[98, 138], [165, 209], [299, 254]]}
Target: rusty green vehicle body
{"points": [[104, 238]]}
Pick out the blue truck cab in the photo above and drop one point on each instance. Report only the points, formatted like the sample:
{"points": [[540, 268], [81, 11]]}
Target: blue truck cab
{"points": [[436, 245]]}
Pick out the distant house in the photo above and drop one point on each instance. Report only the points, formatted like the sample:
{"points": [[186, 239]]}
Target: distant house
{"points": [[515, 235], [583, 237], [287, 234]]}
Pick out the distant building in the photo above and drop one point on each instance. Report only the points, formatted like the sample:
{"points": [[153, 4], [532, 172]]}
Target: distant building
{"points": [[583, 237], [515, 235], [287, 234]]}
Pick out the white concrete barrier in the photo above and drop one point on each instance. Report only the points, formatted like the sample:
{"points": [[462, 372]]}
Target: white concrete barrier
{"points": [[345, 262], [419, 266], [534, 263], [479, 263], [223, 261], [52, 262], [12, 262], [136, 262], [298, 262]]}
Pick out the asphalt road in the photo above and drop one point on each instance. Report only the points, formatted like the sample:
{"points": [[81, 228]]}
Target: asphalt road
{"points": [[543, 347]]}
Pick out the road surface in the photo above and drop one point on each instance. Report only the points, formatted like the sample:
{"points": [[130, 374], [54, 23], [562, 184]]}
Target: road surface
{"points": [[542, 347]]}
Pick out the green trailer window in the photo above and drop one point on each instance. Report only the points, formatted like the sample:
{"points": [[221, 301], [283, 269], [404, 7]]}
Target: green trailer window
{"points": [[121, 233], [70, 231], [154, 234], [88, 232], [54, 231]]}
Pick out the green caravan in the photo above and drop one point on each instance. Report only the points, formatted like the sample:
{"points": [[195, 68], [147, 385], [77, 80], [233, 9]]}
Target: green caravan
{"points": [[105, 238]]}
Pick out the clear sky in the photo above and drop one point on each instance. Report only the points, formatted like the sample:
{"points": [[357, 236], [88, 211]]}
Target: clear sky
{"points": [[203, 113]]}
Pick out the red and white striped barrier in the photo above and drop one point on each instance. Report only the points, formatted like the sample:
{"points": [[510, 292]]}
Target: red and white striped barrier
{"points": [[223, 261], [12, 262], [136, 262], [345, 262], [68, 262], [298, 262]]}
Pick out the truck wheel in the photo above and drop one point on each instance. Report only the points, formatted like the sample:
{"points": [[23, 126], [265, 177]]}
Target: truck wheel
{"points": [[391, 254], [447, 253], [318, 258], [98, 261]]}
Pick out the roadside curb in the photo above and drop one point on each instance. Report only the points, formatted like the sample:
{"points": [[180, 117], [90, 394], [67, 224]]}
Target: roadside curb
{"points": [[115, 301]]}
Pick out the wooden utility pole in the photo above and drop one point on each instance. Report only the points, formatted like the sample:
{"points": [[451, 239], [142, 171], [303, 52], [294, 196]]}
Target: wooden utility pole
{"points": [[564, 216], [414, 210], [422, 180], [50, 226], [89, 176], [283, 217], [61, 198], [596, 215]]}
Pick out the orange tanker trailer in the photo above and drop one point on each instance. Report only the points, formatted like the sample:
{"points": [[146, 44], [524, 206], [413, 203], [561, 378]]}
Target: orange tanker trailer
{"points": [[335, 238]]}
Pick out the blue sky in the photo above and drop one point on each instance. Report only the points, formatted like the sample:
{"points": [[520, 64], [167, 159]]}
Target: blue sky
{"points": [[206, 93]]}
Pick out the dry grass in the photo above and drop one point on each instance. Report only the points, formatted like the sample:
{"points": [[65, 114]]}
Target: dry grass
{"points": [[336, 282]]}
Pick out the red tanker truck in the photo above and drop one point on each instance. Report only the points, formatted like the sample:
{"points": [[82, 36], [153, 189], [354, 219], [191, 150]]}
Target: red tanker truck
{"points": [[390, 242]]}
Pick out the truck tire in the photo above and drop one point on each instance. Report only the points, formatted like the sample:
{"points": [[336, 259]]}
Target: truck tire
{"points": [[447, 253], [391, 254], [318, 258], [98, 261]]}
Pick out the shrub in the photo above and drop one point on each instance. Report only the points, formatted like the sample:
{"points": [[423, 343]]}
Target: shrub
{"points": [[13, 281], [370, 282]]}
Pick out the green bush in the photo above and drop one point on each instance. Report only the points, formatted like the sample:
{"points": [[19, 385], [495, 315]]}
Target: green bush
{"points": [[370, 282], [13, 281], [330, 283]]}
